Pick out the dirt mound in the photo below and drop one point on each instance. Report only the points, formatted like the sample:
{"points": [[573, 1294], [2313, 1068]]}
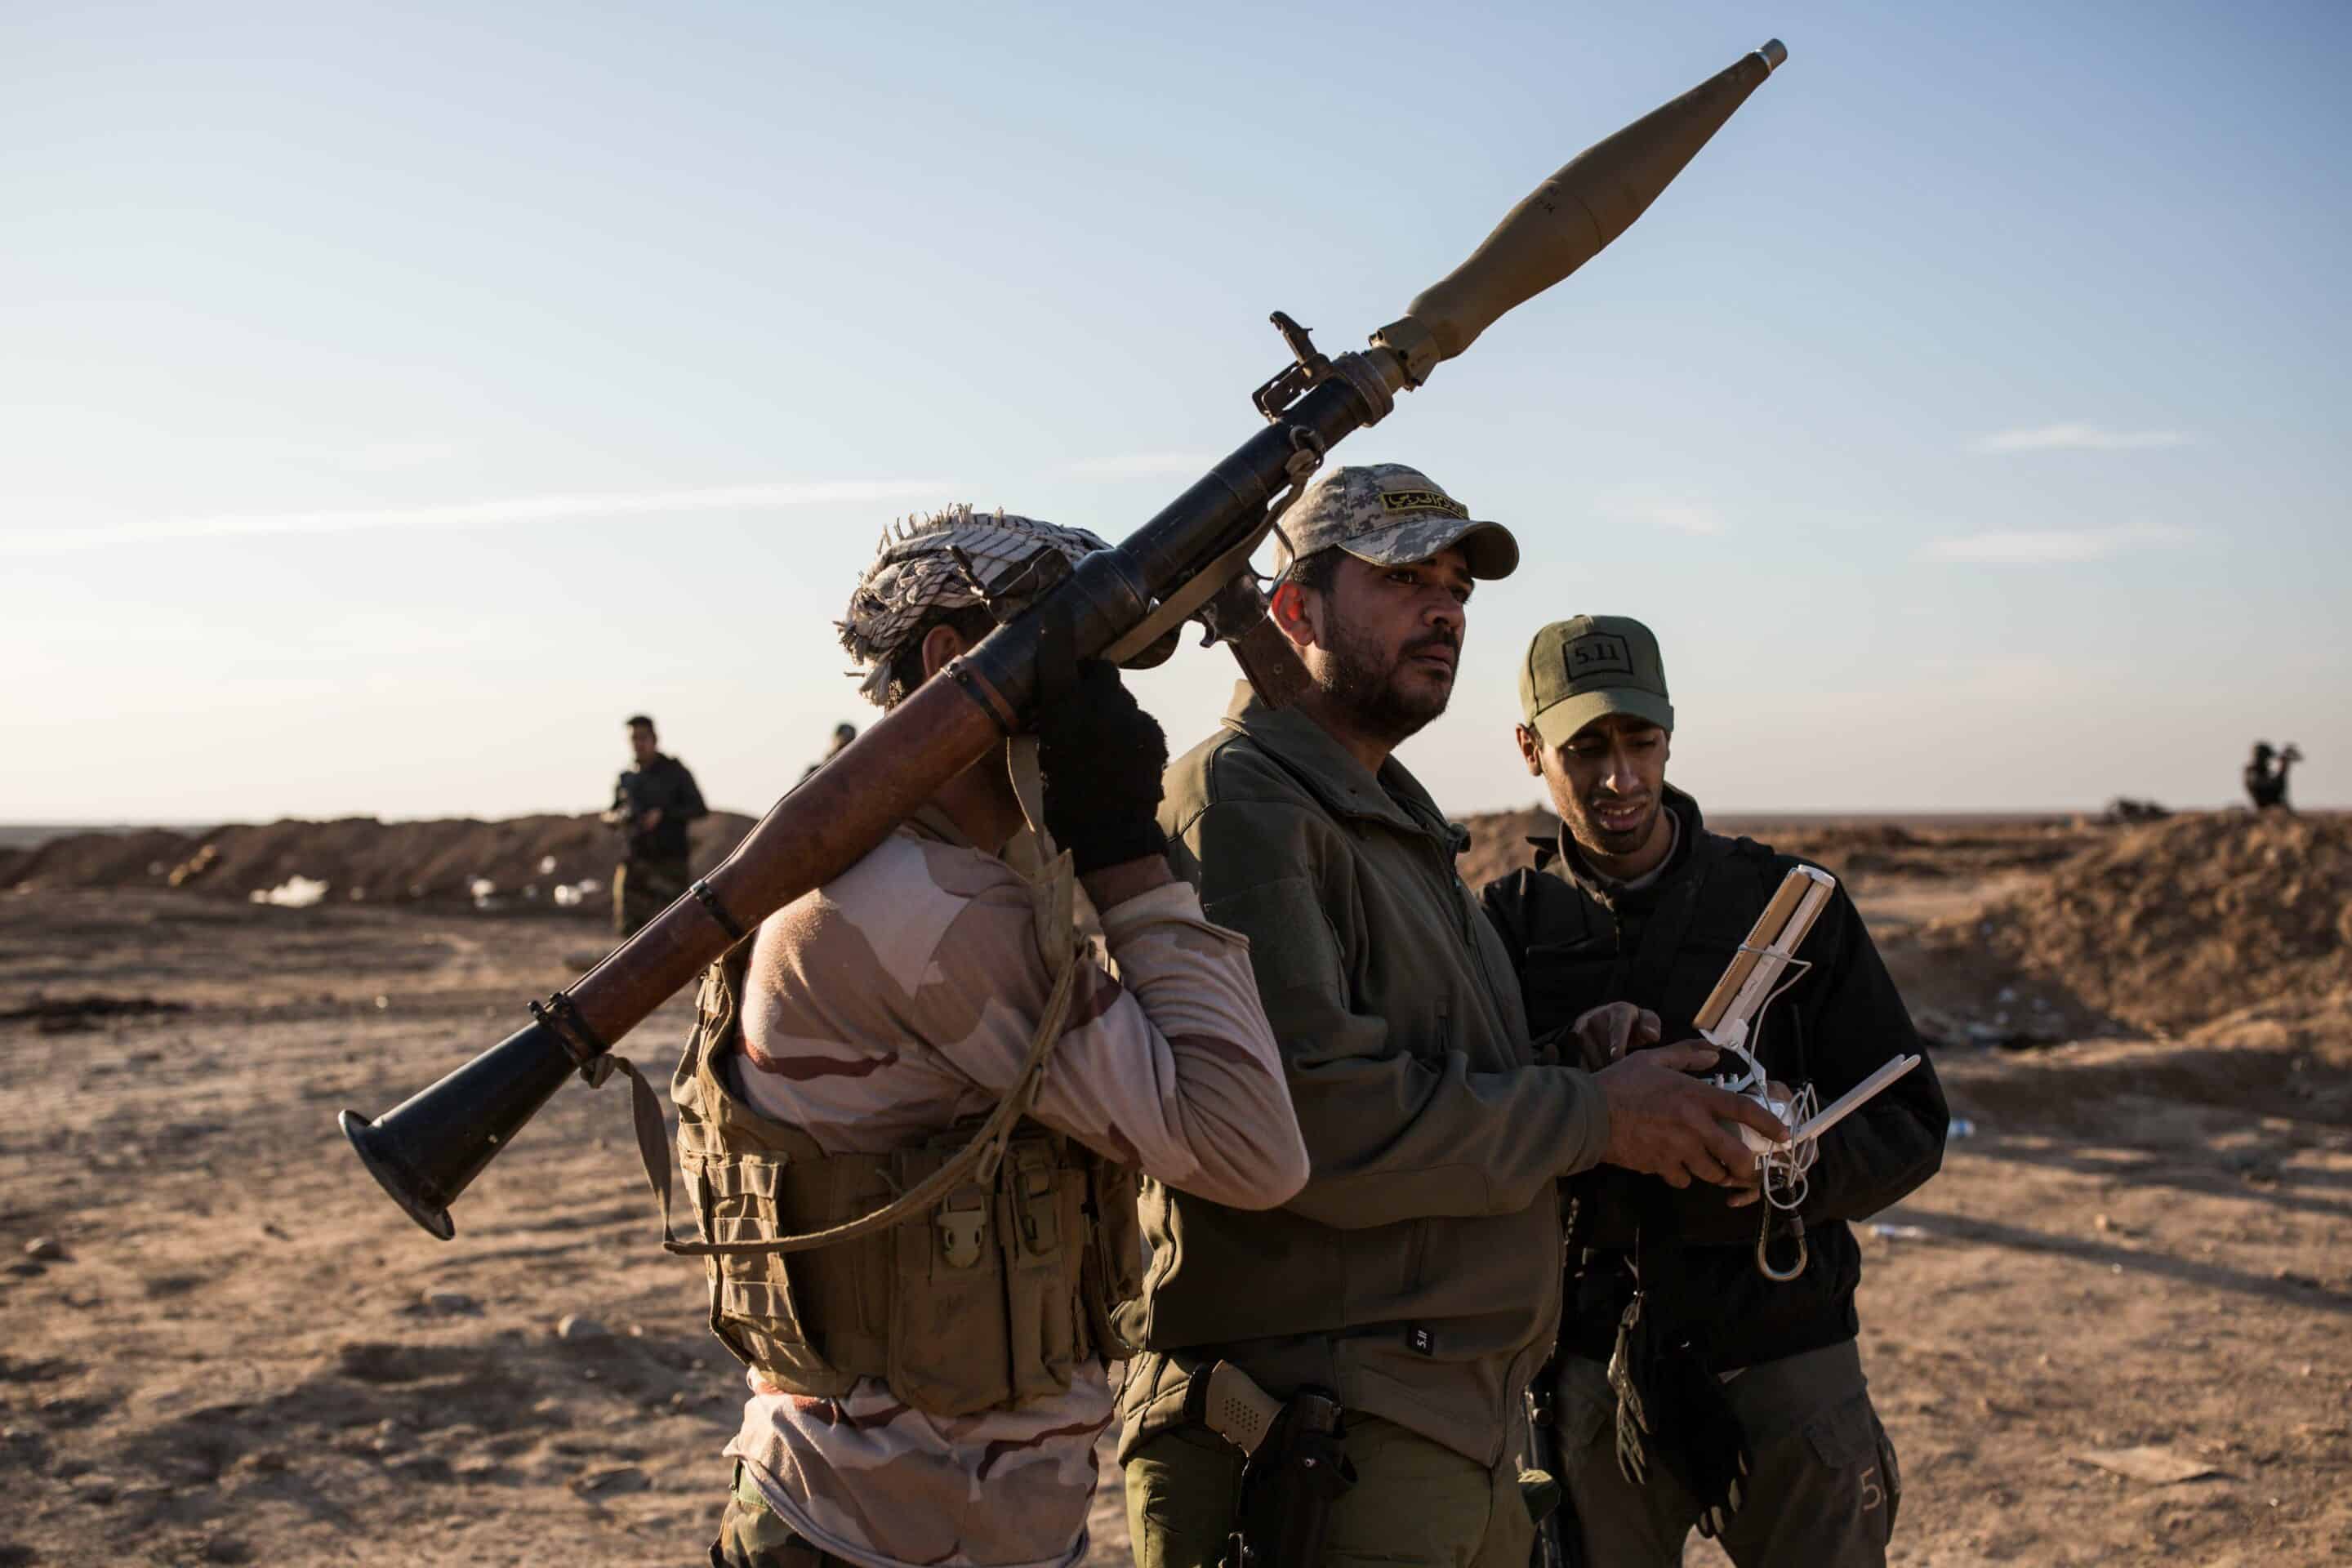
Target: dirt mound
{"points": [[1498, 843], [98, 859], [1853, 850], [546, 861], [2174, 923]]}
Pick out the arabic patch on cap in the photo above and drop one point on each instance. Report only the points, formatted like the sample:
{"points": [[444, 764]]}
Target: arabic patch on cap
{"points": [[1390, 514], [1395, 501]]}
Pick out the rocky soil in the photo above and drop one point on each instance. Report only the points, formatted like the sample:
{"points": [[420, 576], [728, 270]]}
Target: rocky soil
{"points": [[220, 1343]]}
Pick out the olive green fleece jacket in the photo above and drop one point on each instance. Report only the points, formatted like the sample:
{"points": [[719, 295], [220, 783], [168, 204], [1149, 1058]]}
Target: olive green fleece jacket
{"points": [[1417, 1273]]}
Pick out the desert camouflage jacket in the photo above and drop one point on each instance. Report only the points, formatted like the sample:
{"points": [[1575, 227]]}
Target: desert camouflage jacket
{"points": [[900, 997]]}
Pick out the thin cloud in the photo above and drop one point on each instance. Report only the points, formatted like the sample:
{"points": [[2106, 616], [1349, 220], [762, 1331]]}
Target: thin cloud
{"points": [[401, 457], [1653, 509], [1686, 517], [2053, 547], [2078, 439], [565, 508], [559, 507]]}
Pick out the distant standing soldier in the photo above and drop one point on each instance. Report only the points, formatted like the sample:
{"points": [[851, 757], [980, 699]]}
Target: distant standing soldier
{"points": [[842, 735], [930, 1392], [1635, 902], [651, 804], [2266, 778]]}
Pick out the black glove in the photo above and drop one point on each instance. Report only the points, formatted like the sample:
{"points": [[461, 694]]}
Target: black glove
{"points": [[1102, 755]]}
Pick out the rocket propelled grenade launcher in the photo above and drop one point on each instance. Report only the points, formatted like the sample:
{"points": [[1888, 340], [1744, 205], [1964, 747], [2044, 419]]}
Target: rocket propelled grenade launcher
{"points": [[1191, 560]]}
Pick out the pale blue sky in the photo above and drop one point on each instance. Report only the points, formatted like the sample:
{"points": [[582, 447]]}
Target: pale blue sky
{"points": [[394, 398]]}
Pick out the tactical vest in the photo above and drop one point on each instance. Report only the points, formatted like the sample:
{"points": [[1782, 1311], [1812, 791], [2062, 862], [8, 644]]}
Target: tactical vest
{"points": [[990, 1295], [1572, 957]]}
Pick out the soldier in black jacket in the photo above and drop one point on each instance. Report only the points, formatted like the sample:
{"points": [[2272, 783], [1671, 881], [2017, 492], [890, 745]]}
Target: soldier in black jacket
{"points": [[1758, 1428], [653, 801]]}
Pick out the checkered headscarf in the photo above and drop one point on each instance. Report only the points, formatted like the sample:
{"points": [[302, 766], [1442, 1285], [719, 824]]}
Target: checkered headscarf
{"points": [[915, 577]]}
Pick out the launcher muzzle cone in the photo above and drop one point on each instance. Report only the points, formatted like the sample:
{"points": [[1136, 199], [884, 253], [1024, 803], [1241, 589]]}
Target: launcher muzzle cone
{"points": [[428, 1149]]}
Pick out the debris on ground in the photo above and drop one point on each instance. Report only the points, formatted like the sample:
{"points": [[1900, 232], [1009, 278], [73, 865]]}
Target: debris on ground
{"points": [[295, 892], [2152, 1466]]}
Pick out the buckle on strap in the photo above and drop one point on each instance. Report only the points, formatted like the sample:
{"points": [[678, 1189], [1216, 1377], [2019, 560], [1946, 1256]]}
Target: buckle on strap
{"points": [[962, 1221]]}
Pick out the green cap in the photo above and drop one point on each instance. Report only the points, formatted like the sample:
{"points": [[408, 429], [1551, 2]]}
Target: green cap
{"points": [[1576, 670]]}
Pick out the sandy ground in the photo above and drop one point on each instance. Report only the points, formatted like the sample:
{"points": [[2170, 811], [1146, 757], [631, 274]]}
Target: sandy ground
{"points": [[219, 1348]]}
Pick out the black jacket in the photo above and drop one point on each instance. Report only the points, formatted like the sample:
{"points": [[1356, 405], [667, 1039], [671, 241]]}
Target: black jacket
{"points": [[662, 783], [1576, 944]]}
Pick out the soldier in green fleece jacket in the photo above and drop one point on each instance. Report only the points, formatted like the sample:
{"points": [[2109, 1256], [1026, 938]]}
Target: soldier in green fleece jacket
{"points": [[1416, 1276]]}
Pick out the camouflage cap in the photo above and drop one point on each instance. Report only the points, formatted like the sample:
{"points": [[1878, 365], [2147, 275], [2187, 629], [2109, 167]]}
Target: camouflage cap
{"points": [[1576, 670], [1390, 515]]}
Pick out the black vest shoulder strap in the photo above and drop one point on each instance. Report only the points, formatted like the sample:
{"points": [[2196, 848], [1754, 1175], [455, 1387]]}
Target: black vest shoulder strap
{"points": [[1734, 886], [1536, 908], [1653, 963]]}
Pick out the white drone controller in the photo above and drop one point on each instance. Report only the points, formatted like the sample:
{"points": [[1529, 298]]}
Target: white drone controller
{"points": [[1728, 1018], [1755, 1085], [1749, 982]]}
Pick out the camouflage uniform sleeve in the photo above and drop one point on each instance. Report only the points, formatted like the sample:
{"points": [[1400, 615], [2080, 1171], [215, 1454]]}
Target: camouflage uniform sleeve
{"points": [[1175, 1070]]}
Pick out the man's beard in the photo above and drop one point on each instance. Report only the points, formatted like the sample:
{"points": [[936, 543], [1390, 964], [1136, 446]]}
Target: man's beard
{"points": [[1364, 683]]}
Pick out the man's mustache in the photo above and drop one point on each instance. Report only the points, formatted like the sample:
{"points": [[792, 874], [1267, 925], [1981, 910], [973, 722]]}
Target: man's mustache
{"points": [[1436, 639]]}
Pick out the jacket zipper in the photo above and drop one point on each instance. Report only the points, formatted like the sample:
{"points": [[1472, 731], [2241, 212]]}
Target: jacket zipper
{"points": [[1459, 891]]}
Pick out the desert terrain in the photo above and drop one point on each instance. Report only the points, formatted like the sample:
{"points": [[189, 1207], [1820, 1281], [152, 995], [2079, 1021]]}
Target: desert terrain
{"points": [[2113, 1330]]}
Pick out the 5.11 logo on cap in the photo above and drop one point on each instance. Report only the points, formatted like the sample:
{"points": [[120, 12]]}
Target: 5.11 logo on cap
{"points": [[1600, 653]]}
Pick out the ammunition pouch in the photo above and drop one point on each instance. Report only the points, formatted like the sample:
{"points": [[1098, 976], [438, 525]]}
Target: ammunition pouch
{"points": [[989, 1292]]}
